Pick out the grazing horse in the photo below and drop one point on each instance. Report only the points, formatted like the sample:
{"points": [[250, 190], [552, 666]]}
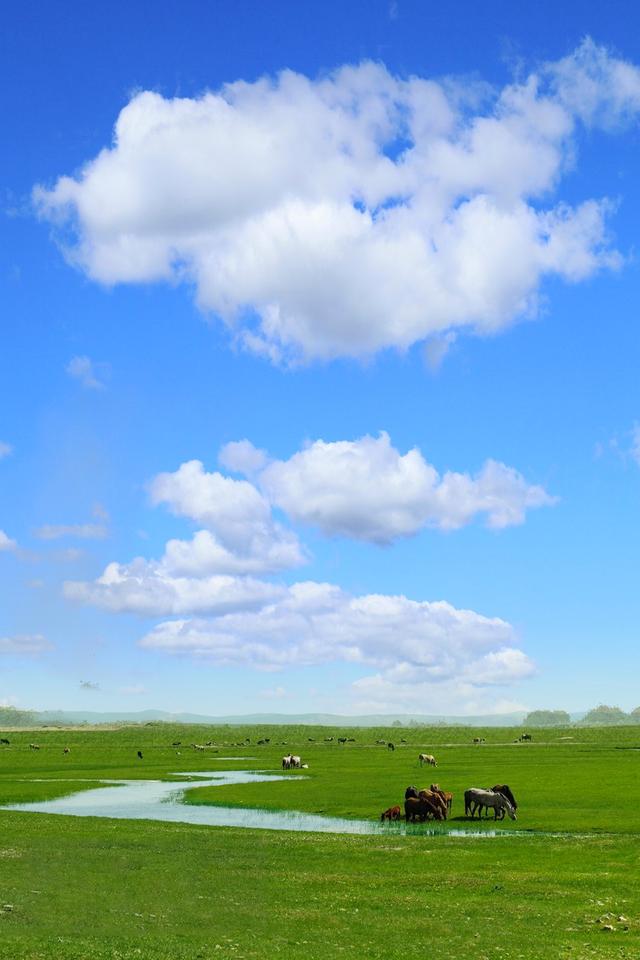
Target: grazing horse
{"points": [[393, 813], [526, 736], [427, 758], [436, 800], [505, 790], [476, 799], [34, 746], [296, 761], [139, 754], [446, 796], [420, 808], [286, 762], [390, 746], [478, 740], [4, 740], [67, 750], [411, 792]]}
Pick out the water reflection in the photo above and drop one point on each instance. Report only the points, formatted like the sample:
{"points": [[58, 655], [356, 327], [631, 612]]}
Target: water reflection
{"points": [[162, 800]]}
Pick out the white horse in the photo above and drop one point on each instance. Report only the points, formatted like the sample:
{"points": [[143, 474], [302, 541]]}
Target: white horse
{"points": [[296, 761], [286, 762], [427, 758], [476, 799]]}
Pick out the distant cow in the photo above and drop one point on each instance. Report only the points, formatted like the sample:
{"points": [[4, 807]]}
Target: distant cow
{"points": [[479, 740], [176, 743], [427, 758], [393, 813], [381, 743], [390, 746], [4, 740], [67, 750], [139, 754], [526, 736], [34, 746], [342, 739]]}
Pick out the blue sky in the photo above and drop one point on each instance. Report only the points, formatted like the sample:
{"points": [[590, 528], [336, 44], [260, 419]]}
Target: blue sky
{"points": [[404, 272]]}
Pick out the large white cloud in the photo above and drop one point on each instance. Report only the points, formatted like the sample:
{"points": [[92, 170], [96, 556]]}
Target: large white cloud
{"points": [[146, 588], [241, 535], [415, 645], [318, 622], [366, 489], [353, 212]]}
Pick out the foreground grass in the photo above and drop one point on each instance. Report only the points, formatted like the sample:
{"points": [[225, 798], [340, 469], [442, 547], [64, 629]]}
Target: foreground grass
{"points": [[81, 888]]}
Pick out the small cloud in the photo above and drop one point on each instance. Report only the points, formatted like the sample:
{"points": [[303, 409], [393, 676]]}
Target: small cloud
{"points": [[26, 645], [6, 543], [274, 693], [5, 449], [91, 375], [393, 10], [134, 690], [35, 584], [241, 456], [81, 531], [91, 685], [100, 512], [436, 350]]}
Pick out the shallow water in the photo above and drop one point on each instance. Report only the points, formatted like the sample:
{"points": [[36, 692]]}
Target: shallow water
{"points": [[162, 800]]}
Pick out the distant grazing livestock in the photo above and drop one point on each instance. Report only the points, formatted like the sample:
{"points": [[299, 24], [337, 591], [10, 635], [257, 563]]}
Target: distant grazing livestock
{"points": [[411, 792], [479, 740], [67, 750], [402, 740], [381, 743], [351, 739], [176, 743], [328, 739], [34, 746], [393, 813], [261, 743], [342, 739], [446, 796], [505, 790], [286, 762], [4, 740], [139, 754], [311, 739], [296, 761], [418, 808], [390, 746], [304, 766], [526, 736], [436, 800], [475, 799], [427, 758]]}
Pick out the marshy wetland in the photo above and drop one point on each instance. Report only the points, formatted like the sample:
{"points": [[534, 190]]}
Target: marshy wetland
{"points": [[100, 863]]}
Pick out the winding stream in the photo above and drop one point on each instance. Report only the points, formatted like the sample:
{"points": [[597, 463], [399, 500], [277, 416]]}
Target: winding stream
{"points": [[163, 800]]}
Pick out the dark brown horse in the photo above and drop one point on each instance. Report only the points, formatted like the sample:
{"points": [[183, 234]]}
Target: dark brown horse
{"points": [[420, 809]]}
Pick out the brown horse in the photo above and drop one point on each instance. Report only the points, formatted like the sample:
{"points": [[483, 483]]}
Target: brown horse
{"points": [[446, 796], [419, 808], [436, 800], [393, 813]]}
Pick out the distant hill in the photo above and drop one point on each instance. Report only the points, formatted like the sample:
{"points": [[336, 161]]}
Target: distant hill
{"points": [[73, 717]]}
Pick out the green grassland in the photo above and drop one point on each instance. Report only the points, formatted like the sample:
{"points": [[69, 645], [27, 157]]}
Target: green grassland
{"points": [[94, 888]]}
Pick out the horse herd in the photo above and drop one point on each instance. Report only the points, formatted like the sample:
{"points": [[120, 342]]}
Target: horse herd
{"points": [[435, 804]]}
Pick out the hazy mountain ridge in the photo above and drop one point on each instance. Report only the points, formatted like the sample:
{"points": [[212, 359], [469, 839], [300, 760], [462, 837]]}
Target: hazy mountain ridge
{"points": [[68, 717]]}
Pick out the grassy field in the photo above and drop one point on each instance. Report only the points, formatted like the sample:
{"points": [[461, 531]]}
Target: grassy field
{"points": [[74, 888]]}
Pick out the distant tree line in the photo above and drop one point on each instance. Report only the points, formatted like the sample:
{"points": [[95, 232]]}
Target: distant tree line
{"points": [[599, 716], [12, 717]]}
